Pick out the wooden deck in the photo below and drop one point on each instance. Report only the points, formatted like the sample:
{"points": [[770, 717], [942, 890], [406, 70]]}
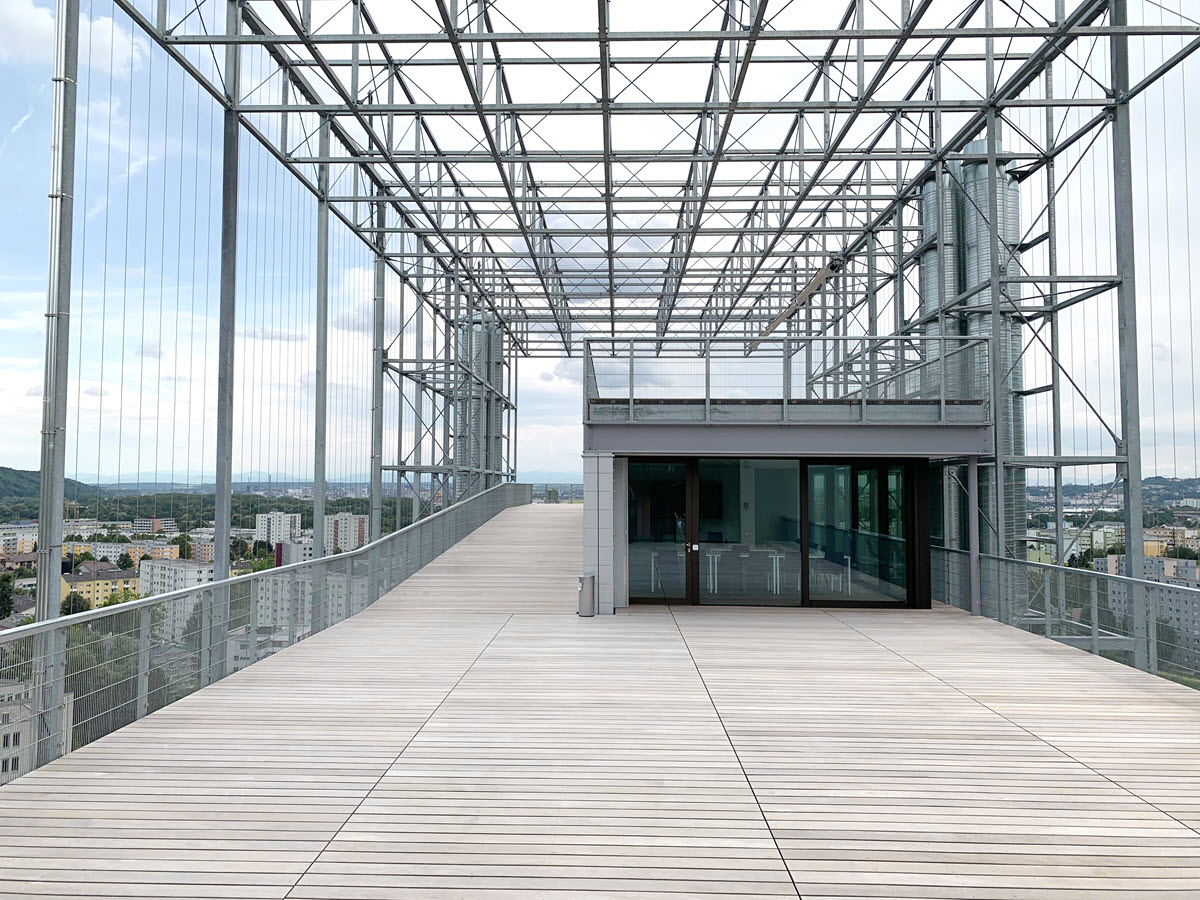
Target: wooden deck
{"points": [[468, 737]]}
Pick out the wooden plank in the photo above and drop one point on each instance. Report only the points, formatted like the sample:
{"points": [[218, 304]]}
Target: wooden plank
{"points": [[469, 736]]}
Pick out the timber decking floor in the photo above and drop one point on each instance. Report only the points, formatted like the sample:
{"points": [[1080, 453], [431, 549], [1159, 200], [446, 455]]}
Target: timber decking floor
{"points": [[468, 737]]}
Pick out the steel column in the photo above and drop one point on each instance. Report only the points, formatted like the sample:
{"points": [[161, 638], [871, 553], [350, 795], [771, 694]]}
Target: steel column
{"points": [[58, 311], [377, 378], [973, 560], [321, 341], [218, 625], [49, 673], [1127, 345]]}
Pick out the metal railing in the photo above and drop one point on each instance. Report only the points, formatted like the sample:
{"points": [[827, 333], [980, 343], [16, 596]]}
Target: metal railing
{"points": [[806, 379], [68, 681], [1131, 620]]}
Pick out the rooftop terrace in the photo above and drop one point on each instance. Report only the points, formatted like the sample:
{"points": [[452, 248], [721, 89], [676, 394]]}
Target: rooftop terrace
{"points": [[468, 736]]}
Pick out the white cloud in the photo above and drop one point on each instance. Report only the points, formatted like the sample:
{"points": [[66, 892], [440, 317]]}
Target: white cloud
{"points": [[28, 31], [17, 127]]}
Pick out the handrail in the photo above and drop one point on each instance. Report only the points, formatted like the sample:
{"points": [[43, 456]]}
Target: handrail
{"points": [[1012, 588], [1107, 576], [80, 618], [85, 675]]}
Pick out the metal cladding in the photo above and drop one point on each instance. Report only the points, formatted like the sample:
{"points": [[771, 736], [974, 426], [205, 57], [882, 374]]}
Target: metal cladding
{"points": [[960, 260], [478, 419], [944, 204]]}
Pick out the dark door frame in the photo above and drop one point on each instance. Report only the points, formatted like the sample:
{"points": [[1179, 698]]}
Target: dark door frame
{"points": [[916, 525]]}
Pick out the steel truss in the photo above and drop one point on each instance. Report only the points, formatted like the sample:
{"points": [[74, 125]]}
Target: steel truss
{"points": [[606, 211]]}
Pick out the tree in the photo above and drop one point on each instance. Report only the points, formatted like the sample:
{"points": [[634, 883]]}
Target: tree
{"points": [[1168, 640], [145, 556], [24, 572], [551, 495], [74, 603], [185, 545], [124, 561], [85, 556], [1182, 553], [120, 596], [6, 595]]}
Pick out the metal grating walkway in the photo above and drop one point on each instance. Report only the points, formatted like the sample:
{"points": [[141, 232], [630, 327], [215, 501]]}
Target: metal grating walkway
{"points": [[468, 737]]}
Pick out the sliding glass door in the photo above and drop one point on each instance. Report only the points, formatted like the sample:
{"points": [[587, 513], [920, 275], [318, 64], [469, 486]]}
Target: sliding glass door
{"points": [[658, 532], [777, 532], [857, 541], [750, 550]]}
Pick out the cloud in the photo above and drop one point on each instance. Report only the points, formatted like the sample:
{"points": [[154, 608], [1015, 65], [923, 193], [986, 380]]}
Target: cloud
{"points": [[34, 391], [150, 350], [17, 127], [96, 392], [104, 44], [28, 33], [273, 333]]}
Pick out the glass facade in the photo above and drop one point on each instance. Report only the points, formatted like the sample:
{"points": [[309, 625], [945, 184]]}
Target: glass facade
{"points": [[657, 530], [750, 541], [857, 545], [758, 531]]}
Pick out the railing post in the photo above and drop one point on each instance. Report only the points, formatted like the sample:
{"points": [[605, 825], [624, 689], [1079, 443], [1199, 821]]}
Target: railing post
{"points": [[143, 673], [787, 378], [316, 598], [205, 637], [941, 378], [1045, 589], [293, 607], [631, 381], [973, 560], [707, 379], [1095, 599], [862, 379], [1151, 628], [49, 693]]}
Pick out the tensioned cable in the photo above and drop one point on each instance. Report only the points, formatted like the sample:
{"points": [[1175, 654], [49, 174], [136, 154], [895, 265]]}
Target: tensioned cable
{"points": [[125, 261], [145, 277], [85, 193], [104, 265], [1189, 307]]}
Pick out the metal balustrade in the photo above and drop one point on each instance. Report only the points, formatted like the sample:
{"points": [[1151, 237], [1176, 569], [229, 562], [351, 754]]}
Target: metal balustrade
{"points": [[1130, 620], [71, 680], [821, 379]]}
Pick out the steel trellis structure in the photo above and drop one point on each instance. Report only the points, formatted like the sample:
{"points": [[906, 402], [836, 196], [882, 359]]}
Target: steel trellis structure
{"points": [[748, 168]]}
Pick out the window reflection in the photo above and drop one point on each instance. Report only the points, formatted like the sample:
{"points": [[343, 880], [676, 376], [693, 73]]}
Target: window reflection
{"points": [[856, 534], [750, 525]]}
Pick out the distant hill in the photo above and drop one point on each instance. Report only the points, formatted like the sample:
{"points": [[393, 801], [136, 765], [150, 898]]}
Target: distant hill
{"points": [[20, 484]]}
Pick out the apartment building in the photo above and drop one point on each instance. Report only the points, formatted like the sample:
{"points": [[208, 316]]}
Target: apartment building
{"points": [[18, 728], [165, 576], [345, 531], [97, 583], [274, 527]]}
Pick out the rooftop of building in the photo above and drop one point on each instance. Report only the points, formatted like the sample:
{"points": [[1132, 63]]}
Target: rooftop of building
{"points": [[468, 735]]}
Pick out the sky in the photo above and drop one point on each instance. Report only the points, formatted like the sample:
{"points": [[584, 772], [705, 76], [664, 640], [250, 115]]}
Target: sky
{"points": [[168, 349], [144, 328]]}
